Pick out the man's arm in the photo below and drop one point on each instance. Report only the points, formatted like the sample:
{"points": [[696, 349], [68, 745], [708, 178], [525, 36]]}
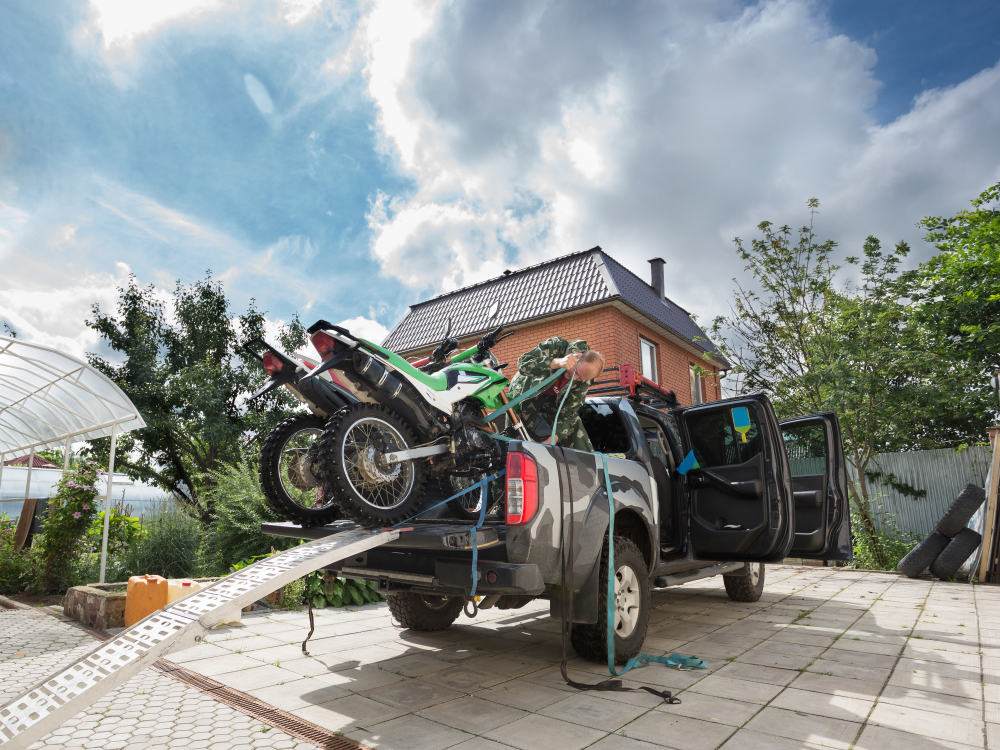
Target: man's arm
{"points": [[537, 362], [570, 411]]}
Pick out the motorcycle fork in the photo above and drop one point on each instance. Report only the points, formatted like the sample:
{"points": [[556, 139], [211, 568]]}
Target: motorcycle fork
{"points": [[514, 418]]}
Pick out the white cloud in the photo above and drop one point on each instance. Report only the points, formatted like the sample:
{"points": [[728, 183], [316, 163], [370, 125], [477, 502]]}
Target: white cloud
{"points": [[366, 328], [119, 21], [539, 129]]}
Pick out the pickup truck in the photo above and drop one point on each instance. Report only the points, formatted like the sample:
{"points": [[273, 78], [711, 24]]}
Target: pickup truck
{"points": [[770, 490]]}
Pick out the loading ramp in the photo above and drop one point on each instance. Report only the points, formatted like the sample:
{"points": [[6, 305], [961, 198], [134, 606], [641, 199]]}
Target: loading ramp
{"points": [[182, 624]]}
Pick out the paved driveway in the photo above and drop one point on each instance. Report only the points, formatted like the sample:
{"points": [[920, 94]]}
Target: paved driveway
{"points": [[828, 658]]}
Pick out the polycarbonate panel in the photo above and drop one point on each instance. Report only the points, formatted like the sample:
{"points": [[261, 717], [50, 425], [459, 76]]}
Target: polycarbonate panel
{"points": [[47, 397]]}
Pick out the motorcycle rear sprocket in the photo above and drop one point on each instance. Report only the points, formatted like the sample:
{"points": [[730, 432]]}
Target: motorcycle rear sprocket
{"points": [[336, 477]]}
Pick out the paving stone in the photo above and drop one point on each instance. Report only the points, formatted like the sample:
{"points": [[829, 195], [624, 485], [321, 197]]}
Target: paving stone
{"points": [[936, 725], [409, 733], [412, 695], [473, 715], [832, 706], [798, 725], [883, 738], [680, 732], [533, 732]]}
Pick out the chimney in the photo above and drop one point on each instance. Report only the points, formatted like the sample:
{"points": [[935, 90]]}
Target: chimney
{"points": [[656, 273]]}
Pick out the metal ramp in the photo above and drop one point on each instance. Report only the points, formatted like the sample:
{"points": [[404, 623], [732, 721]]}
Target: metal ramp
{"points": [[180, 625]]}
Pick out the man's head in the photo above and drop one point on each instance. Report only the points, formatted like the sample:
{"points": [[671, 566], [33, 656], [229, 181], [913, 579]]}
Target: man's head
{"points": [[589, 366]]}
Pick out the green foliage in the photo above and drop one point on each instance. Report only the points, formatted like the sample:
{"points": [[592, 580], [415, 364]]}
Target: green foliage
{"points": [[338, 592], [239, 509], [185, 372], [960, 287], [168, 545], [69, 515], [884, 549], [13, 563], [123, 532], [816, 343]]}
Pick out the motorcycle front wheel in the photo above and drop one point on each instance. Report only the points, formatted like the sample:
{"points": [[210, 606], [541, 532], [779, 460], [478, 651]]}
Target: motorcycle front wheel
{"points": [[288, 461], [368, 489]]}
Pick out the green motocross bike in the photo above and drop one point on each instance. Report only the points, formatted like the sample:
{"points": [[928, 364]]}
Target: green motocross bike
{"points": [[381, 427]]}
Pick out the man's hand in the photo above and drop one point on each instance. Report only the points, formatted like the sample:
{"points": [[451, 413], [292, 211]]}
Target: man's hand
{"points": [[568, 362]]}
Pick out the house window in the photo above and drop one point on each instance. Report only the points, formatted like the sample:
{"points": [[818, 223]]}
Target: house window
{"points": [[696, 397], [647, 351]]}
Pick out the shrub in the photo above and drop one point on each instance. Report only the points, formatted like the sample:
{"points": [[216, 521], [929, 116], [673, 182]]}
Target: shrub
{"points": [[13, 563], [168, 545], [894, 542], [239, 509], [322, 589], [67, 519]]}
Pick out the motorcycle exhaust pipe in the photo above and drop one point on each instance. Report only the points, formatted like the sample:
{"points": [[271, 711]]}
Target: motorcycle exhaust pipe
{"points": [[375, 373]]}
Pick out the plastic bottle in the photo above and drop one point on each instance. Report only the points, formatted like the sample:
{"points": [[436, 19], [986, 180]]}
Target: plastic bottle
{"points": [[144, 595], [178, 588]]}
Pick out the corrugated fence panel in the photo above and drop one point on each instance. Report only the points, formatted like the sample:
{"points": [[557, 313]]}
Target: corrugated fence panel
{"points": [[943, 473]]}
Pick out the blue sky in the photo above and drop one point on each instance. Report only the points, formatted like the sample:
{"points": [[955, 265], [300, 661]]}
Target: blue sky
{"points": [[345, 160]]}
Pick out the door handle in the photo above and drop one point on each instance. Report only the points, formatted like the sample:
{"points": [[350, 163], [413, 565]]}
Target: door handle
{"points": [[750, 489]]}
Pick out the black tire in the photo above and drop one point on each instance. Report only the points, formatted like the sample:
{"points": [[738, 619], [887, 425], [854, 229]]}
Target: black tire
{"points": [[284, 487], [591, 640], [965, 506], [467, 506], [368, 492], [923, 555], [747, 585], [963, 544], [424, 612]]}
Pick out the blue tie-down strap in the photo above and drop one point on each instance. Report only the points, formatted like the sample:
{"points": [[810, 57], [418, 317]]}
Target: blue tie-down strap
{"points": [[526, 395], [677, 661], [484, 487]]}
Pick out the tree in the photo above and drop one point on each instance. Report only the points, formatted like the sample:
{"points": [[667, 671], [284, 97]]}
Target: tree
{"points": [[959, 299], [816, 344], [183, 369]]}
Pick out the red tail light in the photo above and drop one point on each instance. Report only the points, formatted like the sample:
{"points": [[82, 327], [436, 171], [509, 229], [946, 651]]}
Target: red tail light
{"points": [[522, 488], [272, 364], [324, 343]]}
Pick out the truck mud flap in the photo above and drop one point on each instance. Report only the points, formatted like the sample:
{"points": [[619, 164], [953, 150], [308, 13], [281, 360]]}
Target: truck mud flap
{"points": [[182, 624]]}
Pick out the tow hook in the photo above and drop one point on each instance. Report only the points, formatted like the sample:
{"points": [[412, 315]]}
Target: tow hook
{"points": [[474, 601]]}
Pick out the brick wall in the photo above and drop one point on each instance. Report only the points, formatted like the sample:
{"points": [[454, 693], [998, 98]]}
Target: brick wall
{"points": [[616, 336]]}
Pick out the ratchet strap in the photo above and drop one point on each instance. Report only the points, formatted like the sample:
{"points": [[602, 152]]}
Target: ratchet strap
{"points": [[526, 395]]}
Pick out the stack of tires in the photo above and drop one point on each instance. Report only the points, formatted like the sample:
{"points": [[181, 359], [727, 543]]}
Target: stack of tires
{"points": [[951, 543]]}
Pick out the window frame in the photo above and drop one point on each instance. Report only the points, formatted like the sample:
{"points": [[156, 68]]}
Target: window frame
{"points": [[696, 382], [655, 356]]}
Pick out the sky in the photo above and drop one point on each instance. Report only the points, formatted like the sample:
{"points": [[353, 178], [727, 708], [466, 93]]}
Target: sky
{"points": [[343, 160]]}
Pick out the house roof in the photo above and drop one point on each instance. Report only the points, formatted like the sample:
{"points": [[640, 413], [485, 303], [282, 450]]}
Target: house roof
{"points": [[554, 287], [37, 463]]}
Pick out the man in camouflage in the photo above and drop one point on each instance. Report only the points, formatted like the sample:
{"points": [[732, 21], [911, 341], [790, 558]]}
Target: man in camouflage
{"points": [[539, 411]]}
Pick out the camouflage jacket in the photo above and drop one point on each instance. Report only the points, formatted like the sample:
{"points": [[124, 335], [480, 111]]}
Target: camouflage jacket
{"points": [[533, 367]]}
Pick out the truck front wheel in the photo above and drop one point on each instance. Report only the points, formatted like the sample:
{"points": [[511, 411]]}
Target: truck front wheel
{"points": [[423, 611], [631, 603], [747, 585]]}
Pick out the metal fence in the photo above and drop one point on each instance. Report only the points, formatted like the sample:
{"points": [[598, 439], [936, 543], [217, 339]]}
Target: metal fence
{"points": [[942, 473]]}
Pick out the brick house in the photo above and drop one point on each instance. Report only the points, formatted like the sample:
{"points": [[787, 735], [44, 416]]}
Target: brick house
{"points": [[586, 295]]}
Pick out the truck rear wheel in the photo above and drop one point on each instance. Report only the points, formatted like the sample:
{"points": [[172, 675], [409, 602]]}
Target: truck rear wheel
{"points": [[423, 611], [747, 585], [631, 602]]}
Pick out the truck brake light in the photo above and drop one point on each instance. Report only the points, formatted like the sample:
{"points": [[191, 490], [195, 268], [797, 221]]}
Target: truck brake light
{"points": [[522, 488], [271, 363], [324, 343]]}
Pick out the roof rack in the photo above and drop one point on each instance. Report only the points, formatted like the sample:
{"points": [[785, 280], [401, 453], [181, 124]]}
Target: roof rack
{"points": [[636, 388]]}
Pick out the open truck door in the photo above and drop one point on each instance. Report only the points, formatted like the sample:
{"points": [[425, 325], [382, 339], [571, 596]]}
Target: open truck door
{"points": [[819, 482], [738, 480]]}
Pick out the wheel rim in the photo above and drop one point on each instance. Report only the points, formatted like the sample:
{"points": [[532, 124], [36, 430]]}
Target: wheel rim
{"points": [[754, 572], [628, 600], [435, 602], [471, 501], [363, 457], [293, 469]]}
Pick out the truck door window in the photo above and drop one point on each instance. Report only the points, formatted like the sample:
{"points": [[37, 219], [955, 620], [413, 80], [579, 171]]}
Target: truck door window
{"points": [[605, 429], [716, 442], [657, 441], [806, 448]]}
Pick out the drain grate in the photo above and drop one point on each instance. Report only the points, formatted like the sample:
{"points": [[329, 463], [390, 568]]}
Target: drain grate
{"points": [[256, 709]]}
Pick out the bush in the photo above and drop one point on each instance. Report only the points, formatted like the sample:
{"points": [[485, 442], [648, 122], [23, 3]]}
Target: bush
{"points": [[168, 545], [67, 519], [322, 589], [240, 508], [13, 563], [894, 543]]}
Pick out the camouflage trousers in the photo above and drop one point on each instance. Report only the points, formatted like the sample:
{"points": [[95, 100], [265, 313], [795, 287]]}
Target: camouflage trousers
{"points": [[538, 414]]}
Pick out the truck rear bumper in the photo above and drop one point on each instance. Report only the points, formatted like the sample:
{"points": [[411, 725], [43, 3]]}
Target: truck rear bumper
{"points": [[431, 558]]}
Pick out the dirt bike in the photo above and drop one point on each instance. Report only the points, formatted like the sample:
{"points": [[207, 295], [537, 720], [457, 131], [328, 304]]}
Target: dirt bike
{"points": [[408, 422]]}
